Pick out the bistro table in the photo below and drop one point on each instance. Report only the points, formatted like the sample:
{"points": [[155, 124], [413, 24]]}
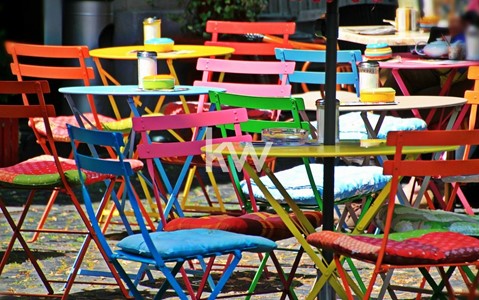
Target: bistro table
{"points": [[130, 53], [304, 227], [408, 61], [362, 35], [349, 103]]}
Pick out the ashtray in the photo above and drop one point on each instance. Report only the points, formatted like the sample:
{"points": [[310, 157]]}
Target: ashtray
{"points": [[285, 136]]}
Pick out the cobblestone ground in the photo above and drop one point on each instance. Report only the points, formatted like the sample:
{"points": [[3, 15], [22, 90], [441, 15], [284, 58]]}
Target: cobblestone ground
{"points": [[56, 253]]}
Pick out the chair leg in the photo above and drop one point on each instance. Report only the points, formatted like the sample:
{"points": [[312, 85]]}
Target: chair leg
{"points": [[17, 236], [342, 275], [171, 280], [45, 214], [226, 275]]}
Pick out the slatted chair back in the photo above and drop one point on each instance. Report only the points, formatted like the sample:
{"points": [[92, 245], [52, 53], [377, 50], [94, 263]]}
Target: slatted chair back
{"points": [[35, 61], [219, 28], [211, 67], [200, 122], [349, 76]]}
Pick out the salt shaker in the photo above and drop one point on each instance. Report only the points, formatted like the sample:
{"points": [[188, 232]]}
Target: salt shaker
{"points": [[368, 75], [320, 104], [151, 28], [146, 65]]}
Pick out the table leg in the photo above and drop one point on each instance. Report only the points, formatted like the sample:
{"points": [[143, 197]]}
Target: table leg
{"points": [[298, 230], [105, 76], [171, 68]]}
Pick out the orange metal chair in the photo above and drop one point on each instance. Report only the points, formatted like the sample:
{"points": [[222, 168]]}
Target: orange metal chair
{"points": [[416, 249], [44, 172], [29, 61], [472, 98]]}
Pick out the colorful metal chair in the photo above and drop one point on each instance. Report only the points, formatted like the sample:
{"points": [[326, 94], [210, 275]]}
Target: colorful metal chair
{"points": [[156, 249], [213, 72], [31, 61], [219, 29], [353, 124], [418, 249], [40, 173]]}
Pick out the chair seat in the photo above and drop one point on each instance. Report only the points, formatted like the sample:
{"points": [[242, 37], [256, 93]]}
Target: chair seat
{"points": [[350, 181], [191, 243], [351, 125], [407, 218], [409, 248], [58, 125], [41, 171], [258, 224], [175, 108]]}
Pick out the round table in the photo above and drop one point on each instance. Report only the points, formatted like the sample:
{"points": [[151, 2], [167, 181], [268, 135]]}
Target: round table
{"points": [[314, 151], [408, 61], [130, 53]]}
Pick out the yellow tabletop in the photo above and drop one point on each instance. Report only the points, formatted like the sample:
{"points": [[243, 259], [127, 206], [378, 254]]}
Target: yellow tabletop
{"points": [[179, 52], [347, 148]]}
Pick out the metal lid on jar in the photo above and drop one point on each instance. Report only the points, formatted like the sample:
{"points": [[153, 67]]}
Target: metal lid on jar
{"points": [[150, 20], [140, 54], [369, 64], [322, 102]]}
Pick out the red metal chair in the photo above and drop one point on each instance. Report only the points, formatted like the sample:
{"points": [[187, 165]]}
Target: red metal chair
{"points": [[219, 28], [444, 250], [44, 172]]}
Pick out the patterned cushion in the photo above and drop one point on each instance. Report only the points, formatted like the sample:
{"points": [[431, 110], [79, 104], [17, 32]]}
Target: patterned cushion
{"points": [[351, 125], [407, 218], [59, 128], [259, 224], [419, 247], [41, 171], [349, 181], [175, 108], [193, 242]]}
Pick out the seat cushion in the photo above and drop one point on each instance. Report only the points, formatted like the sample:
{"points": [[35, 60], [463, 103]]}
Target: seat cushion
{"points": [[259, 224], [351, 125], [193, 242], [41, 171], [124, 125], [59, 128], [406, 218], [350, 181], [175, 108], [415, 247]]}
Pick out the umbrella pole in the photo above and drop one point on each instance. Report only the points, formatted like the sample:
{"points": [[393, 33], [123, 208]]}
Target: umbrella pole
{"points": [[330, 121]]}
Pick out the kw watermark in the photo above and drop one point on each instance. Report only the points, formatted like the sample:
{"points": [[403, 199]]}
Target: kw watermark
{"points": [[214, 156]]}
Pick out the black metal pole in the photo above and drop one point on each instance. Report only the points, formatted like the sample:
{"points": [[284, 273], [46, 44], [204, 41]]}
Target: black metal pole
{"points": [[330, 121]]}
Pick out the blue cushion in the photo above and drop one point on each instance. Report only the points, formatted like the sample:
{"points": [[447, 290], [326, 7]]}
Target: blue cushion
{"points": [[194, 242], [351, 125], [349, 181]]}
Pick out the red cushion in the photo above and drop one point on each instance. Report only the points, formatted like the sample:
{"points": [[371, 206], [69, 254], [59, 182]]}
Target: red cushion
{"points": [[59, 128], [175, 108], [431, 247], [259, 224]]}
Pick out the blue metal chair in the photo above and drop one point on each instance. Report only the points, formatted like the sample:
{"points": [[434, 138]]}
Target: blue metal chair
{"points": [[351, 57], [153, 249]]}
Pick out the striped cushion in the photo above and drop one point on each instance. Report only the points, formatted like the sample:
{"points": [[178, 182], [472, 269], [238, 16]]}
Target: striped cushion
{"points": [[41, 171], [59, 128], [416, 247], [259, 224]]}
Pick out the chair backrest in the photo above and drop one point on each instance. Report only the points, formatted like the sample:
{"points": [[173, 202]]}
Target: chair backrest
{"points": [[349, 57], [401, 166], [218, 28], [36, 62], [118, 169], [220, 67], [152, 151], [30, 111], [294, 106]]}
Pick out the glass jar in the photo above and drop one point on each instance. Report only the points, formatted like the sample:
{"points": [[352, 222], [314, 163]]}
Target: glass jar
{"points": [[146, 65], [151, 28], [320, 105], [368, 75]]}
